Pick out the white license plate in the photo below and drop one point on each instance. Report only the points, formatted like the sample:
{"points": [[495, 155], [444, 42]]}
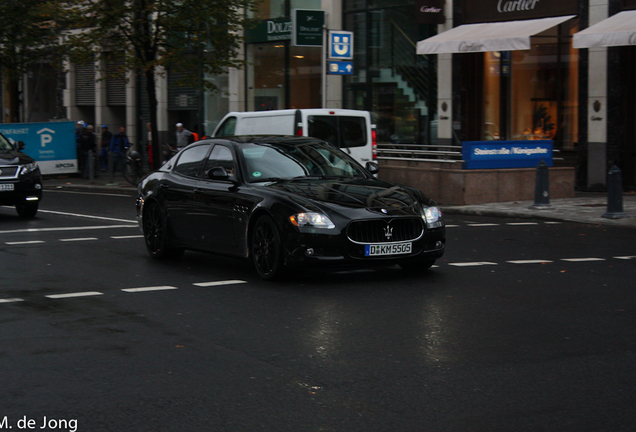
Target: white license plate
{"points": [[387, 249], [6, 187]]}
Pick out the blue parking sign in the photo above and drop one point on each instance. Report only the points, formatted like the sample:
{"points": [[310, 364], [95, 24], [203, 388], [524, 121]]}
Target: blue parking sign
{"points": [[340, 45]]}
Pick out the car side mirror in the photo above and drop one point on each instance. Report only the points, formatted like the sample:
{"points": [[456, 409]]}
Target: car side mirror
{"points": [[372, 167], [218, 173], [20, 145]]}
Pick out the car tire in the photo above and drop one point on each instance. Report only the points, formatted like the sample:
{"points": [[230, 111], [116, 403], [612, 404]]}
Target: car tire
{"points": [[416, 266], [266, 248], [26, 210], [155, 231]]}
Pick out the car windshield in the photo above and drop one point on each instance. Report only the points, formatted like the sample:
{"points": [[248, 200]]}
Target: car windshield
{"points": [[291, 160], [5, 146]]}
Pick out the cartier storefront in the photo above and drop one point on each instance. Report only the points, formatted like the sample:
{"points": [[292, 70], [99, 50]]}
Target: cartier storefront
{"points": [[515, 74]]}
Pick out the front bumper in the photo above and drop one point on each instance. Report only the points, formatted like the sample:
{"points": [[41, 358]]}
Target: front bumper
{"points": [[338, 249]]}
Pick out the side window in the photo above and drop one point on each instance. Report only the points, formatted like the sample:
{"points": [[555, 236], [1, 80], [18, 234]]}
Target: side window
{"points": [[342, 131], [227, 128], [220, 156], [191, 160]]}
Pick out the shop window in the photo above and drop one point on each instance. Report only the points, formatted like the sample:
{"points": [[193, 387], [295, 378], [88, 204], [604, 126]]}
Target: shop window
{"points": [[532, 94]]}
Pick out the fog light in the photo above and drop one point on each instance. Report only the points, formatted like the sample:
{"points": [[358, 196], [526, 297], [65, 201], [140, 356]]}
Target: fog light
{"points": [[309, 252], [438, 245], [38, 186]]}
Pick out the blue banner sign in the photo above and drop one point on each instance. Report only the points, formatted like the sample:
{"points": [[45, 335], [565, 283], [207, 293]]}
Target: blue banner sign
{"points": [[51, 144], [506, 154]]}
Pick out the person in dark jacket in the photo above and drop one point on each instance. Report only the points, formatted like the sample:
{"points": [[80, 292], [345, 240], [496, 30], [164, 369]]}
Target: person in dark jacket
{"points": [[88, 145], [119, 145]]}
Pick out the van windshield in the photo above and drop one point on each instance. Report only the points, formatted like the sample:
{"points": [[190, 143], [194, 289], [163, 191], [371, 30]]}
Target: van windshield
{"points": [[341, 131]]}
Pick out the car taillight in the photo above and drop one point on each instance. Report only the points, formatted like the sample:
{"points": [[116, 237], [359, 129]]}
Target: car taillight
{"points": [[374, 144], [299, 129]]}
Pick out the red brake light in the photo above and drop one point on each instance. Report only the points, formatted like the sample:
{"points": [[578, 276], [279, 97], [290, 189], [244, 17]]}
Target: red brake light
{"points": [[374, 144]]}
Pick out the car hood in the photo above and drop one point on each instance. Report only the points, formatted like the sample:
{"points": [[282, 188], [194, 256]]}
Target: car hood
{"points": [[14, 158], [370, 194]]}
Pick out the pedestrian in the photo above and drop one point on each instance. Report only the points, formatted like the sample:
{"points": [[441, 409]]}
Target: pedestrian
{"points": [[149, 146], [79, 128], [119, 145], [183, 136], [104, 148], [88, 145]]}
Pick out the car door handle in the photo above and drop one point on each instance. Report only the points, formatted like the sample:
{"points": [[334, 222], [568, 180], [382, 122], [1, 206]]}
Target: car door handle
{"points": [[164, 187], [199, 191]]}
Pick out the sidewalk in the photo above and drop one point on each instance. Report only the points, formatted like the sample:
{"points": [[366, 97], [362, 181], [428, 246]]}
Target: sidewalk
{"points": [[585, 207]]}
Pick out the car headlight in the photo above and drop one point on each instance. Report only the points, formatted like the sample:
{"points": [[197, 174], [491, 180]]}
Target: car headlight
{"points": [[28, 168], [433, 217], [313, 220]]}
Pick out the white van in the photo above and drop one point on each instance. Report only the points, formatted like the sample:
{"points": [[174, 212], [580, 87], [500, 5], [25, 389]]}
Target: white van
{"points": [[350, 130]]}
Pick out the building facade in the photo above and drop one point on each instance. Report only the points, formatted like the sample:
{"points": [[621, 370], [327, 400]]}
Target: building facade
{"points": [[554, 82]]}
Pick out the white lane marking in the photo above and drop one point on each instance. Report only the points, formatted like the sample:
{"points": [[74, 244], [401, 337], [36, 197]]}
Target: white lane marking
{"points": [[75, 228], [582, 259], [79, 239], [70, 295], [452, 226], [521, 223], [88, 216], [219, 283], [84, 193], [24, 242], [529, 261], [126, 237], [145, 289], [11, 300], [553, 223], [626, 257], [471, 264], [482, 224]]}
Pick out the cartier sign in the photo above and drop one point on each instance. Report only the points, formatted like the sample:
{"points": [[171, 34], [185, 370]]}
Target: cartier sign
{"points": [[429, 11], [511, 10]]}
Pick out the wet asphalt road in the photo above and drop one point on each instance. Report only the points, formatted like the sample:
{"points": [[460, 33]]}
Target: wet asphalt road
{"points": [[522, 326]]}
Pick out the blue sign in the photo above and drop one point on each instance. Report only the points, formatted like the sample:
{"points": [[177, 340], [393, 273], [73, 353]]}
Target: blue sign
{"points": [[51, 144], [506, 154], [340, 68], [340, 45]]}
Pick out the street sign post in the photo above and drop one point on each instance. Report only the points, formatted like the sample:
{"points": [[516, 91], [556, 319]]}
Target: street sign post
{"points": [[340, 45], [340, 68]]}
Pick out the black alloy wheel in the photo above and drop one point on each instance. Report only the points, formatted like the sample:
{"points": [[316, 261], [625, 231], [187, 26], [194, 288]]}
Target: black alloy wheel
{"points": [[26, 210], [156, 233], [266, 248]]}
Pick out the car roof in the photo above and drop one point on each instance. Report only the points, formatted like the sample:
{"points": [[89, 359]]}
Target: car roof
{"points": [[268, 139]]}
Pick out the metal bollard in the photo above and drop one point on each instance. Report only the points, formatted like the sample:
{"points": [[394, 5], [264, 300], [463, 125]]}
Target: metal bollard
{"points": [[542, 188], [615, 194]]}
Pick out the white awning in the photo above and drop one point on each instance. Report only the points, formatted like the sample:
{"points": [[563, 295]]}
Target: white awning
{"points": [[483, 37], [619, 29]]}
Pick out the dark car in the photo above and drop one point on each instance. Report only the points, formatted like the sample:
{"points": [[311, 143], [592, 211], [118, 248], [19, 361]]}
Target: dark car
{"points": [[20, 179], [283, 201]]}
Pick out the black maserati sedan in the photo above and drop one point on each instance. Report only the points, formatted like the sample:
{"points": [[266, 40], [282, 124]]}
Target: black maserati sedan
{"points": [[282, 201], [20, 179]]}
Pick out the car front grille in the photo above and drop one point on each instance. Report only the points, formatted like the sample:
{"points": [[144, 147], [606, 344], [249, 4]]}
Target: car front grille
{"points": [[8, 171], [385, 230]]}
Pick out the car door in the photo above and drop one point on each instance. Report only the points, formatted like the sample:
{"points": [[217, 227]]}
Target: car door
{"points": [[179, 192], [215, 201]]}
